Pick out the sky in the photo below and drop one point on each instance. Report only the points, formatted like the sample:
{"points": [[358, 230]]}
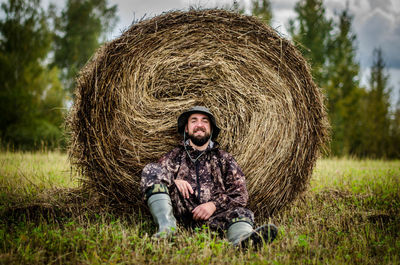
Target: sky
{"points": [[376, 24]]}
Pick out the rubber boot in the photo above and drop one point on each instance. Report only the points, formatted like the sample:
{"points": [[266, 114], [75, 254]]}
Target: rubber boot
{"points": [[240, 234], [161, 208]]}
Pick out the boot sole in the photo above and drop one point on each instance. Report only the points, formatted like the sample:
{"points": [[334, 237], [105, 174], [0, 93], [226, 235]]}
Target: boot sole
{"points": [[265, 233]]}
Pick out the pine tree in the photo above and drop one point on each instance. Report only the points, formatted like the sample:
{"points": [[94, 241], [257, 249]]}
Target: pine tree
{"points": [[376, 118], [81, 29], [311, 30], [394, 140], [343, 90], [262, 10]]}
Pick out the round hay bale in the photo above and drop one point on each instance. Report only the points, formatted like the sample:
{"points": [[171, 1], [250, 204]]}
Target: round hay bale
{"points": [[259, 87]]}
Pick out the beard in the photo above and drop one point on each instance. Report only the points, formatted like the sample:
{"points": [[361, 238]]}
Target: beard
{"points": [[199, 140]]}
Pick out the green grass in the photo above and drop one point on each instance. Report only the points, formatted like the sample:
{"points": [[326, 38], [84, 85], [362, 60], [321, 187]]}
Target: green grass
{"points": [[350, 215], [29, 173]]}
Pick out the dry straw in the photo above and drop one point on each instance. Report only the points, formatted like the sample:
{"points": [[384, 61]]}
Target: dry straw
{"points": [[256, 83]]}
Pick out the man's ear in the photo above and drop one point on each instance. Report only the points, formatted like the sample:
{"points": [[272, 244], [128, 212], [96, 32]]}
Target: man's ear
{"points": [[186, 128]]}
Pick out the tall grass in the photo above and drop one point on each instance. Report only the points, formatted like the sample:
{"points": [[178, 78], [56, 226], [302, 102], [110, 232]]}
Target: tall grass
{"points": [[350, 215], [25, 171]]}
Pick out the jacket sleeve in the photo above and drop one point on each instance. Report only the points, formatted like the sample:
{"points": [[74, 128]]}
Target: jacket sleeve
{"points": [[235, 194]]}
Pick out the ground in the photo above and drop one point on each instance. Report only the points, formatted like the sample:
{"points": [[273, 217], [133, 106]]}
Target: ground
{"points": [[349, 215]]}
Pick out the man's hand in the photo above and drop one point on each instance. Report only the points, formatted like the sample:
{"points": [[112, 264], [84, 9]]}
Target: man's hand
{"points": [[184, 187], [204, 211]]}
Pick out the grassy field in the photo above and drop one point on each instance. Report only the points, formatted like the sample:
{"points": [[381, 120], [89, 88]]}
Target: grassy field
{"points": [[350, 215]]}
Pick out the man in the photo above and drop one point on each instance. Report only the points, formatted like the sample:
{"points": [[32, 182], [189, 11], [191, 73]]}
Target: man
{"points": [[201, 184]]}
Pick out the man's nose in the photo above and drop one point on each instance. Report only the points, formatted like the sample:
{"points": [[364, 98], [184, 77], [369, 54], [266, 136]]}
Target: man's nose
{"points": [[200, 124]]}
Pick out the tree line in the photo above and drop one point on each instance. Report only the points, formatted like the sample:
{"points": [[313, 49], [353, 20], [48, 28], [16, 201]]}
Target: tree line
{"points": [[364, 124], [42, 50]]}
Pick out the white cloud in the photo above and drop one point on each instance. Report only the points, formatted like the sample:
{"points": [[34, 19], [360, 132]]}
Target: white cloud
{"points": [[133, 10], [384, 5], [379, 28]]}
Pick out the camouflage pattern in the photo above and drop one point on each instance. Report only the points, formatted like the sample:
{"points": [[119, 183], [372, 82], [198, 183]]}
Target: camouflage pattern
{"points": [[215, 177]]}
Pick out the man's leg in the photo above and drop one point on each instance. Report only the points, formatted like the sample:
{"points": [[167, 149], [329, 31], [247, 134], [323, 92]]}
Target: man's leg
{"points": [[155, 187], [241, 233], [239, 225]]}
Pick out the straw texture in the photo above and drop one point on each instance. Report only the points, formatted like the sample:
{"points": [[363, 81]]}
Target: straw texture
{"points": [[257, 84]]}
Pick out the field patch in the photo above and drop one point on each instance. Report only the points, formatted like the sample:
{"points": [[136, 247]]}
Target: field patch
{"points": [[349, 215]]}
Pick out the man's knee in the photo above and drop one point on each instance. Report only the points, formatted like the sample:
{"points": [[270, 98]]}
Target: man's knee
{"points": [[152, 174], [155, 189], [153, 180], [240, 214], [225, 218], [152, 170]]}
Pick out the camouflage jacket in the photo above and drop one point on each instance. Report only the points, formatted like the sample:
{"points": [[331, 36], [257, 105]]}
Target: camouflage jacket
{"points": [[215, 176]]}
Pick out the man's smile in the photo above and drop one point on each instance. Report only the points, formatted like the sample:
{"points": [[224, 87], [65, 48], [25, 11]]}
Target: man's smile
{"points": [[200, 130]]}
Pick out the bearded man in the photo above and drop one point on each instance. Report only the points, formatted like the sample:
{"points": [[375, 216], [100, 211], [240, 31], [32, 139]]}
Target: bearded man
{"points": [[198, 183]]}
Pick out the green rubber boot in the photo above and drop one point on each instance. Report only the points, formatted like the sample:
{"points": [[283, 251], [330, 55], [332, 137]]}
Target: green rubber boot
{"points": [[161, 208], [240, 234]]}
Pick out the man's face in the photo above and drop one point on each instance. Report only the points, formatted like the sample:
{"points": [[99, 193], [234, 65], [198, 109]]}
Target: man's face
{"points": [[198, 128]]}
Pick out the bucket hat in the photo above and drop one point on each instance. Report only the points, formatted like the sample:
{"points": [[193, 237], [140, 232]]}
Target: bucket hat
{"points": [[183, 119]]}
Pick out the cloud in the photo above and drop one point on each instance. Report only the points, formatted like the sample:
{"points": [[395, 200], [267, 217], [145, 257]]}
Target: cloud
{"points": [[132, 10], [385, 5], [283, 4], [379, 28], [376, 24]]}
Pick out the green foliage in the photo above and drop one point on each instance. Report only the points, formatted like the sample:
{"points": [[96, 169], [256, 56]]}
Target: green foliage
{"points": [[394, 150], [376, 110], [25, 41], [30, 93], [34, 134], [311, 31], [80, 30], [52, 100], [344, 95], [360, 119]]}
